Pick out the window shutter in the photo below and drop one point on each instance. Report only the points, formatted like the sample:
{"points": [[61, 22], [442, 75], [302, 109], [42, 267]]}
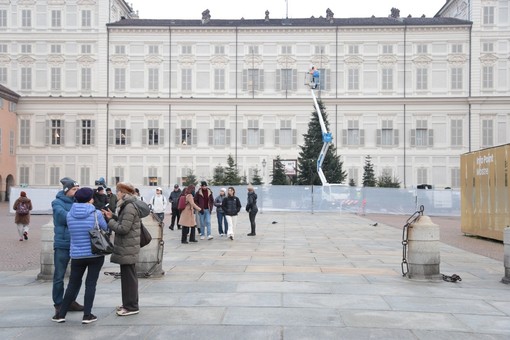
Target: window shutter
{"points": [[194, 136], [92, 132], [245, 80], [294, 80], [177, 137], [261, 136], [243, 138], [431, 137], [48, 133], [161, 136], [78, 133], [211, 136], [413, 137], [261, 80], [144, 137], [128, 136], [278, 79], [362, 137], [395, 137], [227, 137], [344, 137], [111, 136], [294, 136], [276, 136], [378, 137]]}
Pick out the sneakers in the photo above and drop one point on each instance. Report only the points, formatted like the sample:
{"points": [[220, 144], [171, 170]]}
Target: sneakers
{"points": [[171, 227], [25, 235], [58, 319], [210, 237], [89, 318], [75, 307], [221, 235], [202, 237], [125, 312]]}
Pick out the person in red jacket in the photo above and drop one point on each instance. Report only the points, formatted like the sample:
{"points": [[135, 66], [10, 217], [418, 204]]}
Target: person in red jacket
{"points": [[205, 200]]}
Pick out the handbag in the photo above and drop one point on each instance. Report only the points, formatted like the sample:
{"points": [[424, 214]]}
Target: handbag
{"points": [[100, 243], [145, 236]]}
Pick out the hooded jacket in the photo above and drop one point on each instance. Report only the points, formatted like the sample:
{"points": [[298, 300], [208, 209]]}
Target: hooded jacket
{"points": [[61, 206], [127, 233], [80, 220]]}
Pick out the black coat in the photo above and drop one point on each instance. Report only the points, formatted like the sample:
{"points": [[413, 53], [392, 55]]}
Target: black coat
{"points": [[231, 205]]}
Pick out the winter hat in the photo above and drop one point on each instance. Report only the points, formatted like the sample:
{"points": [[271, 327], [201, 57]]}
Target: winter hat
{"points": [[176, 186], [23, 194], [99, 189], [108, 189], [203, 184], [224, 190], [83, 195], [68, 183], [126, 187]]}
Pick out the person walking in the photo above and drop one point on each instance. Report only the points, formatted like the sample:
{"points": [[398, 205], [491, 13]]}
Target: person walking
{"points": [[159, 203], [126, 226], [187, 219], [220, 215], [251, 208], [82, 217], [61, 242], [174, 200], [112, 200], [23, 206], [205, 200], [231, 207]]}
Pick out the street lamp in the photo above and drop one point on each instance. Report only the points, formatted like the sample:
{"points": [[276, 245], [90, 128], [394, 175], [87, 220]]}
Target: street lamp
{"points": [[264, 163]]}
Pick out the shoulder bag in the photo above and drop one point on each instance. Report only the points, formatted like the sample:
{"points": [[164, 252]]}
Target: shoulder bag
{"points": [[100, 240]]}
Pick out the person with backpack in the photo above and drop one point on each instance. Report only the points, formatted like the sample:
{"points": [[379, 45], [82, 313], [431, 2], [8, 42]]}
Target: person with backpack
{"points": [[23, 205], [158, 203]]}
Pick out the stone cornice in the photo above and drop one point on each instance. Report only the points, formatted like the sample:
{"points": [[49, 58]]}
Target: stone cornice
{"points": [[153, 60], [5, 59], [353, 60], [119, 60], [55, 59], [253, 61], [422, 60], [286, 61], [388, 60], [86, 60], [488, 59], [187, 60], [219, 61], [26, 60], [457, 59]]}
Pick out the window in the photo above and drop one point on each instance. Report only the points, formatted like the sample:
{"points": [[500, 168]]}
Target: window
{"points": [[387, 49], [387, 79], [488, 15], [12, 107], [421, 49], [24, 132], [353, 49], [186, 49], [56, 75], [24, 175], [86, 18], [421, 136], [154, 134], [353, 79], [55, 132], [353, 132], [457, 78], [84, 175], [219, 50], [186, 79], [219, 79], [3, 18], [286, 79], [119, 175], [488, 47], [253, 80], [421, 176], [120, 49], [86, 49], [319, 49], [153, 79], [56, 18], [153, 180], [487, 132], [219, 132], [285, 133], [353, 175], [455, 174], [253, 132], [54, 176], [286, 49], [421, 79], [86, 79], [253, 50], [488, 77], [26, 78], [154, 49], [121, 133], [86, 135], [3, 48], [186, 132], [387, 136], [456, 48], [11, 142], [55, 49], [26, 48], [26, 18], [456, 132], [120, 79], [3, 75]]}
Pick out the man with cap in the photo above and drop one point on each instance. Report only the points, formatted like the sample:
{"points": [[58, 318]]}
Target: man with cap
{"points": [[112, 200], [205, 200], [159, 203], [61, 242], [174, 199]]}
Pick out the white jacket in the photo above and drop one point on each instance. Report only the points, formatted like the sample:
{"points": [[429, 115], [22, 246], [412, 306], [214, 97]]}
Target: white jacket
{"points": [[158, 203]]}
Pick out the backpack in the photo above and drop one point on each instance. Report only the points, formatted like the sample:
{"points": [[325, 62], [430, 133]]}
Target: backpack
{"points": [[182, 203], [22, 209]]}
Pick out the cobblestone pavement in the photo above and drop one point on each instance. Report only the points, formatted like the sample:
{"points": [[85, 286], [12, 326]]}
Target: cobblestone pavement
{"points": [[25, 255]]}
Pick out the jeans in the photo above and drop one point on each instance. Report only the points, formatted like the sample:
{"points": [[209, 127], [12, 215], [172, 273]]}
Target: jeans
{"points": [[252, 215], [205, 221], [61, 259], [78, 266], [161, 216], [222, 221]]}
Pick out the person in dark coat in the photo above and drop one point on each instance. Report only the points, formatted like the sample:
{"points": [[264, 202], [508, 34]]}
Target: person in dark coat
{"points": [[174, 199], [112, 200], [100, 198], [222, 220], [251, 208], [231, 207], [126, 225], [23, 205]]}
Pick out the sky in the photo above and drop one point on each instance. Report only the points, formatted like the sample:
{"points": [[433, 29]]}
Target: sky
{"points": [[255, 9]]}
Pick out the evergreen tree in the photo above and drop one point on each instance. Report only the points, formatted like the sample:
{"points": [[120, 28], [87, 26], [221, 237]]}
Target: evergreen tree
{"points": [[368, 173], [307, 160], [278, 175], [219, 176], [191, 179], [352, 183], [256, 180], [231, 173], [386, 181]]}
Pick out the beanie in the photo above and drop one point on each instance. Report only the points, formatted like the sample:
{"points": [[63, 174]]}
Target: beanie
{"points": [[224, 190], [68, 183], [83, 195], [203, 184]]}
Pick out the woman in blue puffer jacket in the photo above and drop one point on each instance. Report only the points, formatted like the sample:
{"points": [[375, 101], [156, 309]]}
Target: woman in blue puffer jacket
{"points": [[80, 219]]}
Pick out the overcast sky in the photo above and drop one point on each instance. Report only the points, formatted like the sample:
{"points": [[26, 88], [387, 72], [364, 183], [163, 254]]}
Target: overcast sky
{"points": [[255, 9]]}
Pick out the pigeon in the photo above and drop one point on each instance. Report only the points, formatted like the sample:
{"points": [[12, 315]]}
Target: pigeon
{"points": [[274, 222], [374, 225]]}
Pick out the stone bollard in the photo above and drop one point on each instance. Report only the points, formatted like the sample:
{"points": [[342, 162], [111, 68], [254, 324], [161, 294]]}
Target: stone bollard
{"points": [[46, 252], [506, 278], [150, 259], [423, 254]]}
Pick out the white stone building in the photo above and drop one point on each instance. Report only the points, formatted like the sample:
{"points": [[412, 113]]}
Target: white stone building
{"points": [[105, 94]]}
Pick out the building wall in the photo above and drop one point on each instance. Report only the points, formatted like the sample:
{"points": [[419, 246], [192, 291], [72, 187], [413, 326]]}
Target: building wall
{"points": [[8, 143]]}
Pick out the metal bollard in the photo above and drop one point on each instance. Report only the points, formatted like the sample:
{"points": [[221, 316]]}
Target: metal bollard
{"points": [[150, 259], [423, 250], [506, 278]]}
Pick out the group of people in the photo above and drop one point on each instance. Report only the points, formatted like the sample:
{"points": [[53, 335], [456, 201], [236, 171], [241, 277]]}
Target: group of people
{"points": [[75, 212]]}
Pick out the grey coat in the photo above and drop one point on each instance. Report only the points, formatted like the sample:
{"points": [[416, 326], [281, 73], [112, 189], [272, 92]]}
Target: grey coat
{"points": [[127, 233]]}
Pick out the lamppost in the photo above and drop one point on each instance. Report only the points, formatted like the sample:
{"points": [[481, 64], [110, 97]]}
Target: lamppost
{"points": [[264, 163]]}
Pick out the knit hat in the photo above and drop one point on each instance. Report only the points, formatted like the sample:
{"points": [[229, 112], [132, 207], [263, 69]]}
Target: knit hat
{"points": [[83, 195], [126, 187], [68, 183], [203, 184], [176, 186], [224, 190], [100, 189]]}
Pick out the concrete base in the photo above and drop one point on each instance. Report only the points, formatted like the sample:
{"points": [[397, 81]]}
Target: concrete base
{"points": [[150, 260]]}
